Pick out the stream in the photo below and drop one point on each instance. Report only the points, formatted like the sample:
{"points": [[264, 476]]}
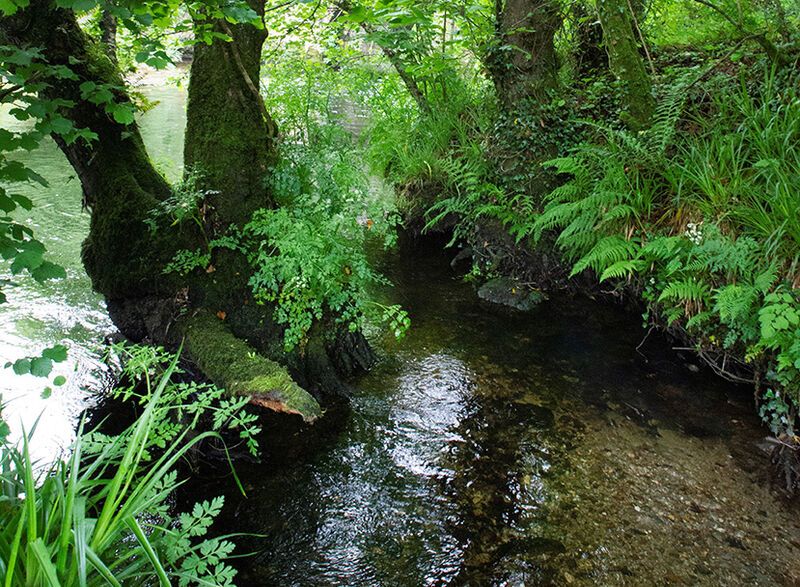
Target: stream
{"points": [[485, 448], [490, 448]]}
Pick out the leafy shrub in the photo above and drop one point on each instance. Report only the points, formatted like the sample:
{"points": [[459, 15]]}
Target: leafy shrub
{"points": [[309, 256]]}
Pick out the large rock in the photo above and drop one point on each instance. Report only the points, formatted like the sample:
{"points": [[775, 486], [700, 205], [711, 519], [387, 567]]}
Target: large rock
{"points": [[509, 292]]}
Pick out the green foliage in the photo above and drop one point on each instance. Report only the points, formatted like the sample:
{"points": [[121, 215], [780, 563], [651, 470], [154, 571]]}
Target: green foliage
{"points": [[102, 518], [24, 72], [309, 255], [186, 204], [777, 413], [187, 404], [704, 223]]}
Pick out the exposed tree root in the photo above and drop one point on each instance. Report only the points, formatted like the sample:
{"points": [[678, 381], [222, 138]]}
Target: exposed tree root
{"points": [[233, 364]]}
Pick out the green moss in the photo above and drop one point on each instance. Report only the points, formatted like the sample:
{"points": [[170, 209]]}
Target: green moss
{"points": [[233, 364], [626, 63]]}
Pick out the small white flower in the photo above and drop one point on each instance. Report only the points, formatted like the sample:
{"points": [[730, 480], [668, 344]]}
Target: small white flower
{"points": [[694, 232]]}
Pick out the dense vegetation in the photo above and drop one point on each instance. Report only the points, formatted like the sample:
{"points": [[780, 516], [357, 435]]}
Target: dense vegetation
{"points": [[645, 150]]}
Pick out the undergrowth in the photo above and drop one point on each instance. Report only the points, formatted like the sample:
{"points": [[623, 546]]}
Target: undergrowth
{"points": [[102, 516]]}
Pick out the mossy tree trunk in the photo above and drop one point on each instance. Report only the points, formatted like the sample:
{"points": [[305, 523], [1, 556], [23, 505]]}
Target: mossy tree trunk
{"points": [[231, 137], [590, 56], [231, 143], [626, 62], [523, 62]]}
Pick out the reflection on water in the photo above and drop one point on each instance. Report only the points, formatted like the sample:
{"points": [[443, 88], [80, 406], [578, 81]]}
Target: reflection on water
{"points": [[67, 311], [497, 449]]}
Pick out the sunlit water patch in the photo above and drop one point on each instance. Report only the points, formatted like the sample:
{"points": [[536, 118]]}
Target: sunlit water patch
{"points": [[67, 311]]}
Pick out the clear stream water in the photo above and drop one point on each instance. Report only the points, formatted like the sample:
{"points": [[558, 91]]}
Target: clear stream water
{"points": [[486, 448], [68, 311]]}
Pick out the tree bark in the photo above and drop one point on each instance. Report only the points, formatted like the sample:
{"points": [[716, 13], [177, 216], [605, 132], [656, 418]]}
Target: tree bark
{"points": [[230, 136], [108, 34], [523, 63], [626, 62]]}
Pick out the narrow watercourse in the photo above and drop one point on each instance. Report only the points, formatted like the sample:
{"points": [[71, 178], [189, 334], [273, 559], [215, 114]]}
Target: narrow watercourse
{"points": [[488, 447], [499, 448]]}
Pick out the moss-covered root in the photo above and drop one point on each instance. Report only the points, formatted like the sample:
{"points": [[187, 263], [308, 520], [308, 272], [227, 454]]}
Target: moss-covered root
{"points": [[233, 364]]}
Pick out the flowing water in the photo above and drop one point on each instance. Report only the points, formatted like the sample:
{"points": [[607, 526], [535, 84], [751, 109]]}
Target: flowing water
{"points": [[490, 448], [68, 311], [486, 448]]}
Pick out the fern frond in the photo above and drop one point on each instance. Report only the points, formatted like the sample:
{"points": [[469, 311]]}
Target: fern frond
{"points": [[685, 290], [623, 268], [606, 252]]}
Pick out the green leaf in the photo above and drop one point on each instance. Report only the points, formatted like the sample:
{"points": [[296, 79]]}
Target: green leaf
{"points": [[41, 367], [47, 270], [22, 366], [59, 380], [122, 113], [9, 7], [22, 201], [29, 260], [56, 353], [61, 125]]}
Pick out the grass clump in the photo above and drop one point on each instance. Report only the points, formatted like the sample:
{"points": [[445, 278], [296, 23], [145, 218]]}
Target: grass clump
{"points": [[101, 517]]}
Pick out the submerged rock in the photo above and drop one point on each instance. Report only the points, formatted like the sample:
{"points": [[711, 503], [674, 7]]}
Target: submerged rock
{"points": [[509, 292]]}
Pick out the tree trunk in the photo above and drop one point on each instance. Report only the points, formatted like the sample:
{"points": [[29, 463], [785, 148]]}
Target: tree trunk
{"points": [[108, 34], [230, 136], [523, 63], [231, 142], [626, 62], [589, 53]]}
